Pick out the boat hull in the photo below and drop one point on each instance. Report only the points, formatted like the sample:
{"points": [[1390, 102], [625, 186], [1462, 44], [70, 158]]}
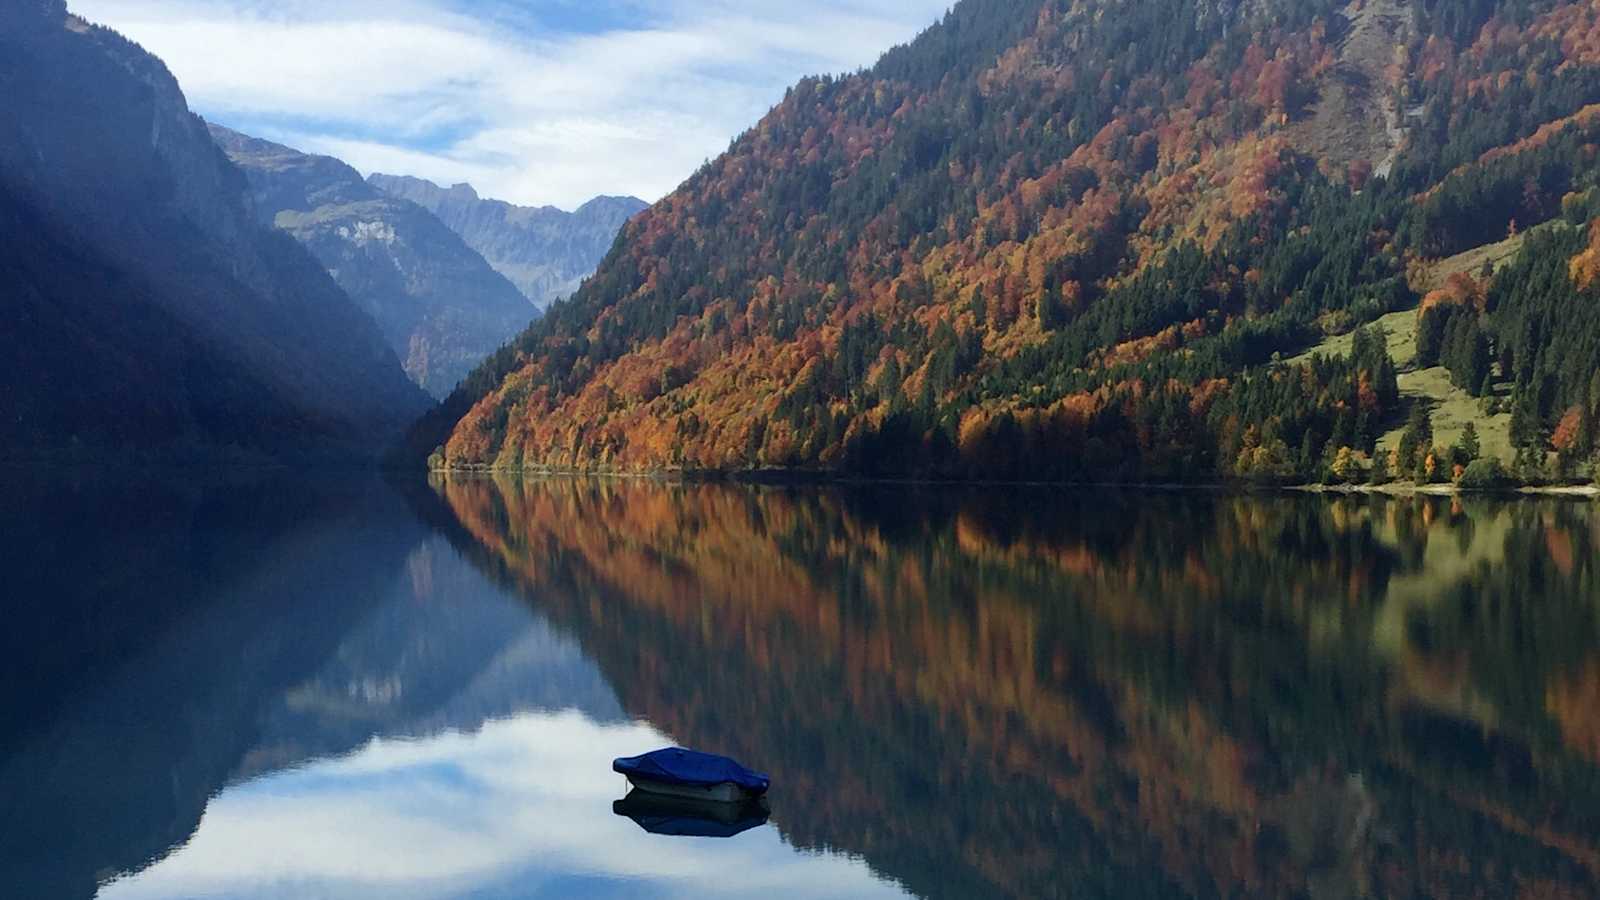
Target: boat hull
{"points": [[726, 792]]}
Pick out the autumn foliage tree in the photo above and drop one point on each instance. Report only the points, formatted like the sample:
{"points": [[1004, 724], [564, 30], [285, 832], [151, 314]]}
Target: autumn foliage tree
{"points": [[1075, 241]]}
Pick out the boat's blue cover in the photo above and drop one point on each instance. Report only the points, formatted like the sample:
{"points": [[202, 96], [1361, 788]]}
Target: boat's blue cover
{"points": [[675, 765]]}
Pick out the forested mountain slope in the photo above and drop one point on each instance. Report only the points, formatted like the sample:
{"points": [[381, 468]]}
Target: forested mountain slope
{"points": [[439, 304], [147, 313], [545, 251], [1068, 239]]}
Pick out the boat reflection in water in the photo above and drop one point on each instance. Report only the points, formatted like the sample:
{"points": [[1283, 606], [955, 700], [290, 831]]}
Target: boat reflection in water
{"points": [[683, 817], [281, 689], [1035, 693], [278, 690]]}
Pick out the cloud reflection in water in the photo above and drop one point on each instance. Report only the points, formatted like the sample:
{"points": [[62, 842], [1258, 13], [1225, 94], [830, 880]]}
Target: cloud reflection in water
{"points": [[521, 807]]}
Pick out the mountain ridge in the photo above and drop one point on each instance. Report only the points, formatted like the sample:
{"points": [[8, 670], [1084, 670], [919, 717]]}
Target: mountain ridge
{"points": [[545, 251], [440, 305], [156, 316], [1068, 241]]}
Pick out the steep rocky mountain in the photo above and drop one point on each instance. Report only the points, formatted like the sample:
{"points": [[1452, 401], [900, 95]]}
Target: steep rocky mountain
{"points": [[1071, 240], [149, 314], [545, 251], [441, 306]]}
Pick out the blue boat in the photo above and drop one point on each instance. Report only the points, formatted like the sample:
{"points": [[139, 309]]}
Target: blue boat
{"points": [[676, 772], [677, 817]]}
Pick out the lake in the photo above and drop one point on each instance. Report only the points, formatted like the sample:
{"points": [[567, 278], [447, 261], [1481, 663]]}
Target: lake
{"points": [[267, 687]]}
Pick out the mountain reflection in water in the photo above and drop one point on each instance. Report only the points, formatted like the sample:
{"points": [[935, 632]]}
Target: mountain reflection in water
{"points": [[275, 690], [1036, 693]]}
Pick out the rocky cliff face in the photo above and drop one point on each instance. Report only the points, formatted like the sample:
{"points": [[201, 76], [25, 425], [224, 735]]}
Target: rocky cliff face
{"points": [[439, 304], [546, 252], [152, 308]]}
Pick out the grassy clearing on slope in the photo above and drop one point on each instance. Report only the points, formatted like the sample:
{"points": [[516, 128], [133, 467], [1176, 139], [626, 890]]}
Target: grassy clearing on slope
{"points": [[1471, 262], [1400, 326], [1451, 407]]}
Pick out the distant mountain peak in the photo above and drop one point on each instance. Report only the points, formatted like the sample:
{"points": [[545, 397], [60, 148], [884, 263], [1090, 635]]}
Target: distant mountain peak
{"points": [[439, 304], [545, 251], [262, 149], [609, 201]]}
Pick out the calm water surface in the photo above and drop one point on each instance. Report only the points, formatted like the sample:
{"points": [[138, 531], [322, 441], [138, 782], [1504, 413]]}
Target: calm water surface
{"points": [[268, 688]]}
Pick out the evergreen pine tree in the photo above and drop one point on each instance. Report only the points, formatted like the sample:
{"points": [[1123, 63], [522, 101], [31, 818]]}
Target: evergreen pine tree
{"points": [[1468, 447], [1380, 469], [1417, 440], [1307, 463]]}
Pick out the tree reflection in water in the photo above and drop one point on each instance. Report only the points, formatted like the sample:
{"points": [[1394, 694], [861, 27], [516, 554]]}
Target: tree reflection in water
{"points": [[1039, 693], [990, 692]]}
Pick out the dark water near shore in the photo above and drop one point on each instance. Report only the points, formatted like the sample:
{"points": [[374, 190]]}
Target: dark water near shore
{"points": [[263, 688]]}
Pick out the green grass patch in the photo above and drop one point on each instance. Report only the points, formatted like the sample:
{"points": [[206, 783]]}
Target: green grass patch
{"points": [[1452, 407], [1400, 326], [1471, 261]]}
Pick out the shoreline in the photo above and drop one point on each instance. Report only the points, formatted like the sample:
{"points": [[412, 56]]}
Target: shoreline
{"points": [[788, 477], [1406, 489]]}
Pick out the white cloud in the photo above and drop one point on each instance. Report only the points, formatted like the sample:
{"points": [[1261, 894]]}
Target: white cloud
{"points": [[522, 99]]}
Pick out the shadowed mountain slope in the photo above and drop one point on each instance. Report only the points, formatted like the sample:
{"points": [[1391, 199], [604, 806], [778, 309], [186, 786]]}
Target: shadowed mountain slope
{"points": [[154, 315], [441, 307]]}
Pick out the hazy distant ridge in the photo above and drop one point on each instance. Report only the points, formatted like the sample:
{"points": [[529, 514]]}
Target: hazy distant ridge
{"points": [[546, 252], [439, 304]]}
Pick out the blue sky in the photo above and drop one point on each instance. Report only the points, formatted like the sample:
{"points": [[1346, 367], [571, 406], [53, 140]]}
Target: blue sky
{"points": [[533, 101]]}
